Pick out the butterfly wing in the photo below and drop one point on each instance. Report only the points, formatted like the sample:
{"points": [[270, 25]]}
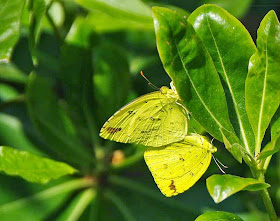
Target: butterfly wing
{"points": [[153, 120], [178, 166]]}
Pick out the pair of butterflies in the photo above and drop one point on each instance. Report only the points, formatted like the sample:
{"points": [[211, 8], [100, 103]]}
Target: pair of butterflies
{"points": [[158, 120]]}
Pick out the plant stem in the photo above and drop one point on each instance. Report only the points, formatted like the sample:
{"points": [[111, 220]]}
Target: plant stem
{"points": [[265, 196]]}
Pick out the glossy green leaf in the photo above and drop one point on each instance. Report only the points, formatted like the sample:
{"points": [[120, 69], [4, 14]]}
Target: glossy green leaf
{"points": [[232, 144], [192, 70], [218, 29], [221, 187], [133, 9], [54, 126], [30, 166], [262, 84], [39, 205], [218, 215], [10, 73], [238, 8], [10, 26]]}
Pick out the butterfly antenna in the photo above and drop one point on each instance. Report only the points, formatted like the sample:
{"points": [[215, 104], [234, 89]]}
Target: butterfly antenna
{"points": [[149, 82], [216, 161]]}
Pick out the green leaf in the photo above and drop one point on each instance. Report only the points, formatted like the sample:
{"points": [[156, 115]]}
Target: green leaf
{"points": [[275, 124], [39, 206], [10, 73], [111, 79], [37, 10], [262, 84], [218, 29], [192, 70], [12, 134], [129, 9], [218, 215], [104, 22], [54, 126], [271, 148], [76, 73], [232, 144], [221, 187], [76, 208], [30, 166], [238, 8], [10, 15]]}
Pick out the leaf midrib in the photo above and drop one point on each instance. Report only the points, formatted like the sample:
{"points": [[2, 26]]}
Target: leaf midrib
{"points": [[258, 143], [231, 91]]}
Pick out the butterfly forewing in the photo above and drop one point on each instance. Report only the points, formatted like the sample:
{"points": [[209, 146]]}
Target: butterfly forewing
{"points": [[152, 120]]}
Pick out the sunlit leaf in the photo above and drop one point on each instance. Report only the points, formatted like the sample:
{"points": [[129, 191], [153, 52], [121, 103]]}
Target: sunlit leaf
{"points": [[218, 215], [133, 9], [192, 70], [10, 14], [218, 29], [238, 8], [262, 85], [221, 187], [30, 166]]}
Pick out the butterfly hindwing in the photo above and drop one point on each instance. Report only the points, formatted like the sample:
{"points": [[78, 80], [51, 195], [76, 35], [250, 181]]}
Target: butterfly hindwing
{"points": [[178, 166], [153, 120]]}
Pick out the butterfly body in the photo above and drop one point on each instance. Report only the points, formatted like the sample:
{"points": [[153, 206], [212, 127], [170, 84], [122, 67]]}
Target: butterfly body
{"points": [[178, 166], [154, 119]]}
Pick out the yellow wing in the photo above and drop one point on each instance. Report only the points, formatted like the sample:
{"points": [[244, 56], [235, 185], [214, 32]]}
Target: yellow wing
{"points": [[154, 119], [178, 166]]}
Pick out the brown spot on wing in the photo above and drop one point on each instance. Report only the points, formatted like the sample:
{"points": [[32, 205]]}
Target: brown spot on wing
{"points": [[172, 186], [113, 130]]}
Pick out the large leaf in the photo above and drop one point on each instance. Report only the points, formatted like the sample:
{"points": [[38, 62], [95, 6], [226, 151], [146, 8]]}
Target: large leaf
{"points": [[262, 85], [130, 9], [10, 15], [238, 8], [218, 215], [218, 29], [53, 123], [31, 167], [192, 70], [221, 187]]}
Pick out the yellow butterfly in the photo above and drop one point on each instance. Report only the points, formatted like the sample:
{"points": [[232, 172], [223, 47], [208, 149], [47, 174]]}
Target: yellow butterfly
{"points": [[154, 119], [178, 166]]}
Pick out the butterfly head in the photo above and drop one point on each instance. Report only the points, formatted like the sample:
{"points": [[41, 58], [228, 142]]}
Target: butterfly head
{"points": [[170, 92]]}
